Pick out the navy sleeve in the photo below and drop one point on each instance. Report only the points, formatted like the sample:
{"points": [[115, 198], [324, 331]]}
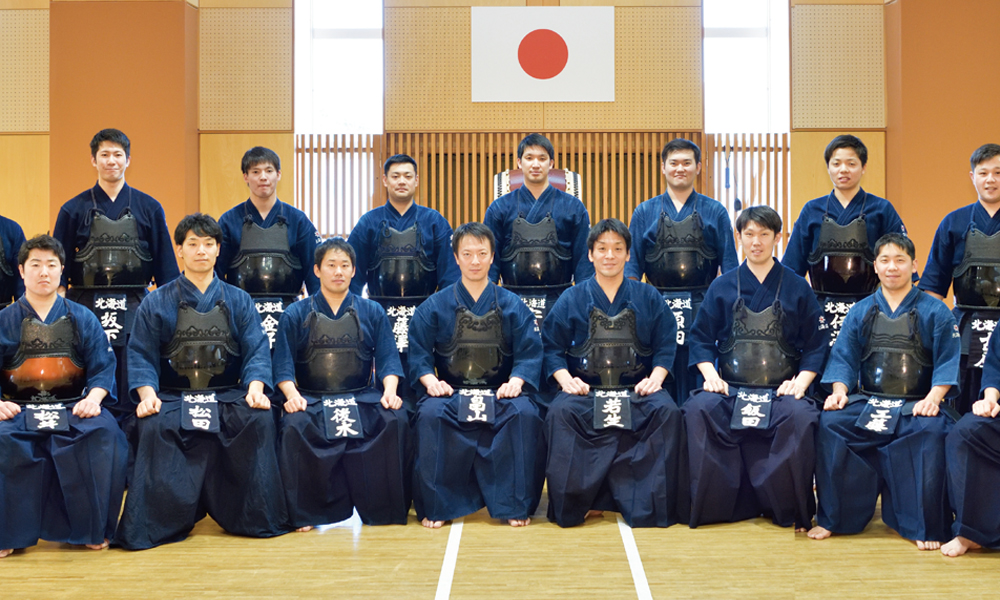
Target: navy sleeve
{"points": [[359, 240], [286, 344], [637, 227], [161, 248], [844, 364], [386, 355], [727, 243], [798, 249], [947, 345], [254, 345], [423, 328], [709, 326], [557, 335], [664, 331], [447, 268], [143, 352], [65, 232], [527, 344], [584, 269], [17, 240], [938, 270], [494, 220], [231, 235], [306, 243], [99, 356], [813, 334], [991, 366]]}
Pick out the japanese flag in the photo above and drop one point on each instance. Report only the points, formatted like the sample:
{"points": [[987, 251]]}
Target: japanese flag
{"points": [[543, 54]]}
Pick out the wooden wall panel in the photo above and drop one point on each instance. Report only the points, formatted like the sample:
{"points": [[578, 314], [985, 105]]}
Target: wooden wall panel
{"points": [[222, 185], [246, 69], [25, 186], [24, 70], [810, 178], [838, 67]]}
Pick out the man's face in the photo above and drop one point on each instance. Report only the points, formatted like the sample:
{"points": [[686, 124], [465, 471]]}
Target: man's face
{"points": [[895, 268], [758, 243], [262, 179], [197, 253], [609, 254], [986, 178], [474, 258], [845, 169], [110, 162], [681, 169], [41, 272], [335, 272], [401, 182], [535, 163]]}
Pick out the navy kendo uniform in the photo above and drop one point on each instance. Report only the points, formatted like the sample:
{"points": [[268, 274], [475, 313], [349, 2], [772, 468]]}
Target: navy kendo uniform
{"points": [[199, 352], [612, 346], [329, 463], [759, 334], [862, 452], [62, 484], [114, 250], [836, 246], [541, 245], [268, 258], [11, 239], [972, 452], [464, 459], [681, 253], [403, 259], [965, 255]]}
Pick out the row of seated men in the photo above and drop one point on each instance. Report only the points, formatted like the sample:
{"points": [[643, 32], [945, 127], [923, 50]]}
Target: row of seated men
{"points": [[759, 338]]}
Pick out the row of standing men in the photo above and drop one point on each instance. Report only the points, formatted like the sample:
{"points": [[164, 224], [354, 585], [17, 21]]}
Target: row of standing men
{"points": [[598, 334]]}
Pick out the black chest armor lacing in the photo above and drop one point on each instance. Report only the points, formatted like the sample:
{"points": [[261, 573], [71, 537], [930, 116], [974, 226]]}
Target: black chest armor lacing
{"points": [[612, 357], [681, 259], [534, 258], [977, 277], [401, 268], [265, 265], [842, 262], [479, 354], [895, 363], [203, 354], [335, 358], [114, 256]]}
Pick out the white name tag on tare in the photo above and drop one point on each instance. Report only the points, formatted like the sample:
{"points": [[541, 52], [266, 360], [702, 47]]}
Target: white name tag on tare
{"points": [[343, 419], [200, 412], [46, 417], [752, 409], [881, 415], [613, 409], [477, 406]]}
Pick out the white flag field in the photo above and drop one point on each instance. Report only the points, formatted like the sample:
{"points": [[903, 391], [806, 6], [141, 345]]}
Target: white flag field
{"points": [[543, 54]]}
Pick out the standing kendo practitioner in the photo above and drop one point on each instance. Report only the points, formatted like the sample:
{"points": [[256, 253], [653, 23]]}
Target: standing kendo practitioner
{"points": [[11, 284], [117, 242], [541, 232], [680, 240], [889, 437], [474, 348], [972, 453], [965, 255], [341, 443], [205, 437], [834, 237], [404, 255], [759, 341], [267, 245], [615, 437], [62, 471]]}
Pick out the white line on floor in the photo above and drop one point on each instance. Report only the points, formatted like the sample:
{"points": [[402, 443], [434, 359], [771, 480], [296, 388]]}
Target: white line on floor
{"points": [[450, 558], [634, 561]]}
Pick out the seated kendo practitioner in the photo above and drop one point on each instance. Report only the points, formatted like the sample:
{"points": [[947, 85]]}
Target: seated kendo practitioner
{"points": [[341, 443], [11, 284], [615, 437], [680, 241], [965, 256], [267, 245], [834, 237], [204, 437], [62, 456], [404, 255], [972, 453], [759, 341], [117, 243], [475, 350], [540, 232], [883, 428]]}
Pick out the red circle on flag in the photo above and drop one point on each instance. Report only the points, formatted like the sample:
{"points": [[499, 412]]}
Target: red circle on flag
{"points": [[543, 54]]}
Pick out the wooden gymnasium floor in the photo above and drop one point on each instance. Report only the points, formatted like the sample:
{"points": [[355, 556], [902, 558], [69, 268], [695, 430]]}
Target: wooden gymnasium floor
{"points": [[752, 559]]}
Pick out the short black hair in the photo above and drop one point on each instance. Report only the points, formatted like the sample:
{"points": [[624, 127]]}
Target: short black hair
{"points": [[113, 136], [609, 226], [847, 141], [41, 242], [983, 154], [538, 140], [201, 225], [765, 216], [331, 244], [679, 145], [900, 241], [397, 159], [259, 155], [476, 230]]}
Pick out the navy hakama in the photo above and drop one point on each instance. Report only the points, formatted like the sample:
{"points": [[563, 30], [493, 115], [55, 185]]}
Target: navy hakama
{"points": [[972, 453]]}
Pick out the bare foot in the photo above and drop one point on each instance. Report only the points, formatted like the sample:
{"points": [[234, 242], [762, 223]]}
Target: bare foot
{"points": [[304, 529], [928, 545], [519, 522], [801, 530], [6, 553], [956, 547], [594, 513], [101, 546], [819, 533], [431, 524]]}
